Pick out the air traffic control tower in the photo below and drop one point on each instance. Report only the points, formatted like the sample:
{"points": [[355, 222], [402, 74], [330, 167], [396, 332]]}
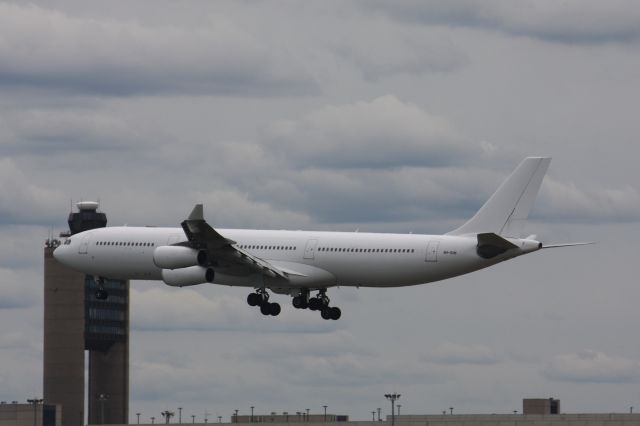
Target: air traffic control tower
{"points": [[76, 321]]}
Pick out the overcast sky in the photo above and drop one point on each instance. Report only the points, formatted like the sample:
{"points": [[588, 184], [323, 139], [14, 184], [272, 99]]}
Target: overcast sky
{"points": [[399, 116]]}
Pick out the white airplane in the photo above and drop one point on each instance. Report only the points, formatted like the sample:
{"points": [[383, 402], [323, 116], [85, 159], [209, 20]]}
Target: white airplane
{"points": [[300, 262]]}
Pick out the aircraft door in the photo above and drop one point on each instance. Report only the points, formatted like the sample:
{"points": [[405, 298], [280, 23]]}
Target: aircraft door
{"points": [[432, 251], [84, 245], [310, 249]]}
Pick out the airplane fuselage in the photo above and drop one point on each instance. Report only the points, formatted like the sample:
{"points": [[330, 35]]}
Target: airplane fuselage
{"points": [[315, 259]]}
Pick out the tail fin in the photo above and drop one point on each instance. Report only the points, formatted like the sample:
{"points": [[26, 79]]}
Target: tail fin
{"points": [[506, 212]]}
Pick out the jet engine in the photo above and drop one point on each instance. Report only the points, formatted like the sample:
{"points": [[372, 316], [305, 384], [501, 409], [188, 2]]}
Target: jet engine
{"points": [[176, 257], [192, 275]]}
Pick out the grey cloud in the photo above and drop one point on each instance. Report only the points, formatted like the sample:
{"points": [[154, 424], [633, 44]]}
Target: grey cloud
{"points": [[24, 202], [48, 49], [592, 367], [282, 347], [351, 370], [167, 309], [69, 132], [18, 289], [455, 353], [574, 21]]}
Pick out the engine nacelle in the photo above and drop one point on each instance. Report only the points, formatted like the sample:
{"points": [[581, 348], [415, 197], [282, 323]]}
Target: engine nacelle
{"points": [[177, 257], [192, 275]]}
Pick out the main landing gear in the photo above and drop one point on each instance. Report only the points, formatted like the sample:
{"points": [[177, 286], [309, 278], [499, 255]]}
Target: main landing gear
{"points": [[261, 298], [318, 303], [101, 293]]}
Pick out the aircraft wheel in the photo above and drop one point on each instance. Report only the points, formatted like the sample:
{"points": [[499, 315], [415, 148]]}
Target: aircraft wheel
{"points": [[315, 304], [274, 309], [335, 313], [254, 299], [265, 308], [299, 302], [326, 313]]}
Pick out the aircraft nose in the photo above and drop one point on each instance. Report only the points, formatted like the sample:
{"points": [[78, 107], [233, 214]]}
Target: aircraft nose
{"points": [[59, 254]]}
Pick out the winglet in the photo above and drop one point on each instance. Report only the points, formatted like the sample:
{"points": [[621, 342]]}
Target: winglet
{"points": [[196, 213]]}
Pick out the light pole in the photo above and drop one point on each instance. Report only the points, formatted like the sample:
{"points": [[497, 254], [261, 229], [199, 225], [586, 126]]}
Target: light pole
{"points": [[379, 414], [167, 416], [180, 415], [393, 397], [399, 405], [373, 415], [325, 413], [219, 419], [138, 416], [153, 420], [236, 416], [102, 398], [252, 414], [307, 414], [35, 402], [451, 410], [193, 419]]}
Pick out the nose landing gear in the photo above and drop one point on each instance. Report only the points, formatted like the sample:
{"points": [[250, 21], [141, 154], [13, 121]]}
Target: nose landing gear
{"points": [[101, 293]]}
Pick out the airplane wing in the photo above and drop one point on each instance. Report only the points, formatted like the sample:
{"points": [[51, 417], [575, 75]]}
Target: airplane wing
{"points": [[221, 251]]}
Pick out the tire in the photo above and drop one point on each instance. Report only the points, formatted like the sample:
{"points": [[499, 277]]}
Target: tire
{"points": [[274, 309], [297, 302], [265, 308], [335, 313], [315, 304], [253, 299], [325, 313]]}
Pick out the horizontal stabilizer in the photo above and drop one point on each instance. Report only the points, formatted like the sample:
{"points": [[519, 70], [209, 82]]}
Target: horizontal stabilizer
{"points": [[567, 245], [491, 245]]}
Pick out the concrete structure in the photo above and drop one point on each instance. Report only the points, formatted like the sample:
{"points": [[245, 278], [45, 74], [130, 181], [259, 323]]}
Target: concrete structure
{"points": [[63, 350], [297, 417], [75, 321], [15, 414], [474, 420], [518, 420], [540, 406]]}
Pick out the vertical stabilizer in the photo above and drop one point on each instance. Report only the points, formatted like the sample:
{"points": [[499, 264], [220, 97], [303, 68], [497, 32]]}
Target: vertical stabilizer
{"points": [[506, 212]]}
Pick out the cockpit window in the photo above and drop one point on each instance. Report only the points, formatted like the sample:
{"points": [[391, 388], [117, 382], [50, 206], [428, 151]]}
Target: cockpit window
{"points": [[67, 241]]}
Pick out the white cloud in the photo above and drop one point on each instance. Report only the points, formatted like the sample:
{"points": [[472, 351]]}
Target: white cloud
{"points": [[567, 201], [380, 49], [592, 366], [384, 132]]}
